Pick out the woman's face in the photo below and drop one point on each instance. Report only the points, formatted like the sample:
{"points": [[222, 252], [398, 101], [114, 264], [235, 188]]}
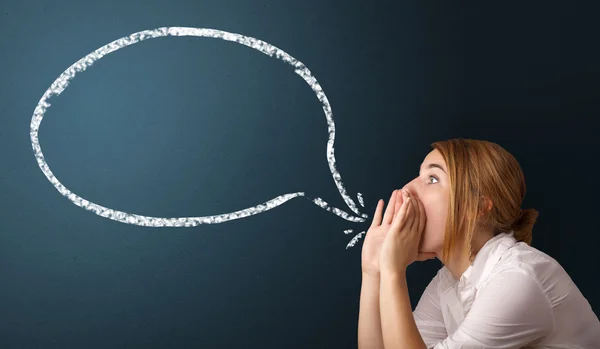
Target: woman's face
{"points": [[432, 188]]}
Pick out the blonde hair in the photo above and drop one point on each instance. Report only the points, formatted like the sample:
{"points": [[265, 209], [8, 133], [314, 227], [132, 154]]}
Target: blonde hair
{"points": [[477, 169]]}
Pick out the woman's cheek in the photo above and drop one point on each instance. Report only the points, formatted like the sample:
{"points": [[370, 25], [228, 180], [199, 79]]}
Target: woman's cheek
{"points": [[425, 238], [425, 244]]}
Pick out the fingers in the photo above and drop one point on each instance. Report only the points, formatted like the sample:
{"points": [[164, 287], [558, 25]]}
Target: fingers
{"points": [[389, 212], [422, 217], [411, 213], [402, 214], [416, 213], [377, 216], [399, 202], [410, 210]]}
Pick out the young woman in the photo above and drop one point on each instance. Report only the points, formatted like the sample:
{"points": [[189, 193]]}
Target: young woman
{"points": [[495, 290]]}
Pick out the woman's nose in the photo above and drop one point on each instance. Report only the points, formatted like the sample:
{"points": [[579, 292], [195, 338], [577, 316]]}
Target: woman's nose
{"points": [[410, 188]]}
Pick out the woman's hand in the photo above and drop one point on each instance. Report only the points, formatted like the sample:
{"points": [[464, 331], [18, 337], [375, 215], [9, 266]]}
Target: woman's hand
{"points": [[401, 243], [377, 232]]}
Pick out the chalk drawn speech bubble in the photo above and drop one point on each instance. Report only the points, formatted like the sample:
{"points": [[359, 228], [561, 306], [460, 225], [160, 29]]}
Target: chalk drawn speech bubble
{"points": [[61, 83]]}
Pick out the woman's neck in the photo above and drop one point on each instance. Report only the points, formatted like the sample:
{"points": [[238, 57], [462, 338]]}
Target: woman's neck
{"points": [[460, 260], [457, 266]]}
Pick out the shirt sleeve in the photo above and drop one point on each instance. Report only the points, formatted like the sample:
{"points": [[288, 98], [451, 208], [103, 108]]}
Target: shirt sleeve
{"points": [[428, 315], [511, 311]]}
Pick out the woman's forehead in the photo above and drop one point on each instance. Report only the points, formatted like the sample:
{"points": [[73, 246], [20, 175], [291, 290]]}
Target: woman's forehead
{"points": [[434, 157]]}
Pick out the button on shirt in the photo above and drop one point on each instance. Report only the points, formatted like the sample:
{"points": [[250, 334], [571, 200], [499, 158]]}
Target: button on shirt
{"points": [[511, 296]]}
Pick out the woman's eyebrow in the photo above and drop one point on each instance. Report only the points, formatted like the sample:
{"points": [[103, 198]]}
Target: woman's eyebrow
{"points": [[434, 165]]}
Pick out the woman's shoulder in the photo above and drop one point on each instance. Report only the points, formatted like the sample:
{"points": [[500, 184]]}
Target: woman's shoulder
{"points": [[527, 261], [530, 269], [520, 262]]}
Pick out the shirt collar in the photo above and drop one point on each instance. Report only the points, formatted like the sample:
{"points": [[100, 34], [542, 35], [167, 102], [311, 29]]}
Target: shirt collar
{"points": [[487, 257]]}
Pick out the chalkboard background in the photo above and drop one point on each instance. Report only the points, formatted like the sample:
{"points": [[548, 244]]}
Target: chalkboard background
{"points": [[188, 126]]}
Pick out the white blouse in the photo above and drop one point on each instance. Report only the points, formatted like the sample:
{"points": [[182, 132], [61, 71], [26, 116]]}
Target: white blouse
{"points": [[511, 296]]}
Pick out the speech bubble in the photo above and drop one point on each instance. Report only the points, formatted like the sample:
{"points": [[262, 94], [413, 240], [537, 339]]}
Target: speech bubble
{"points": [[61, 83]]}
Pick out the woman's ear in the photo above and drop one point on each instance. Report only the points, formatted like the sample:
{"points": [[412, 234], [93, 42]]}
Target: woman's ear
{"points": [[485, 206]]}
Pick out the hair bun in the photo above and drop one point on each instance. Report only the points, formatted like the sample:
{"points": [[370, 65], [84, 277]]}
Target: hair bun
{"points": [[523, 225]]}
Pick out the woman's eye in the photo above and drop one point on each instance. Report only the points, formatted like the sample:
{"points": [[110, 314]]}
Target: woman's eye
{"points": [[433, 178]]}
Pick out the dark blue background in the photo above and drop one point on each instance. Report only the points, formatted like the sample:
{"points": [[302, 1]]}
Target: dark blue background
{"points": [[186, 126]]}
